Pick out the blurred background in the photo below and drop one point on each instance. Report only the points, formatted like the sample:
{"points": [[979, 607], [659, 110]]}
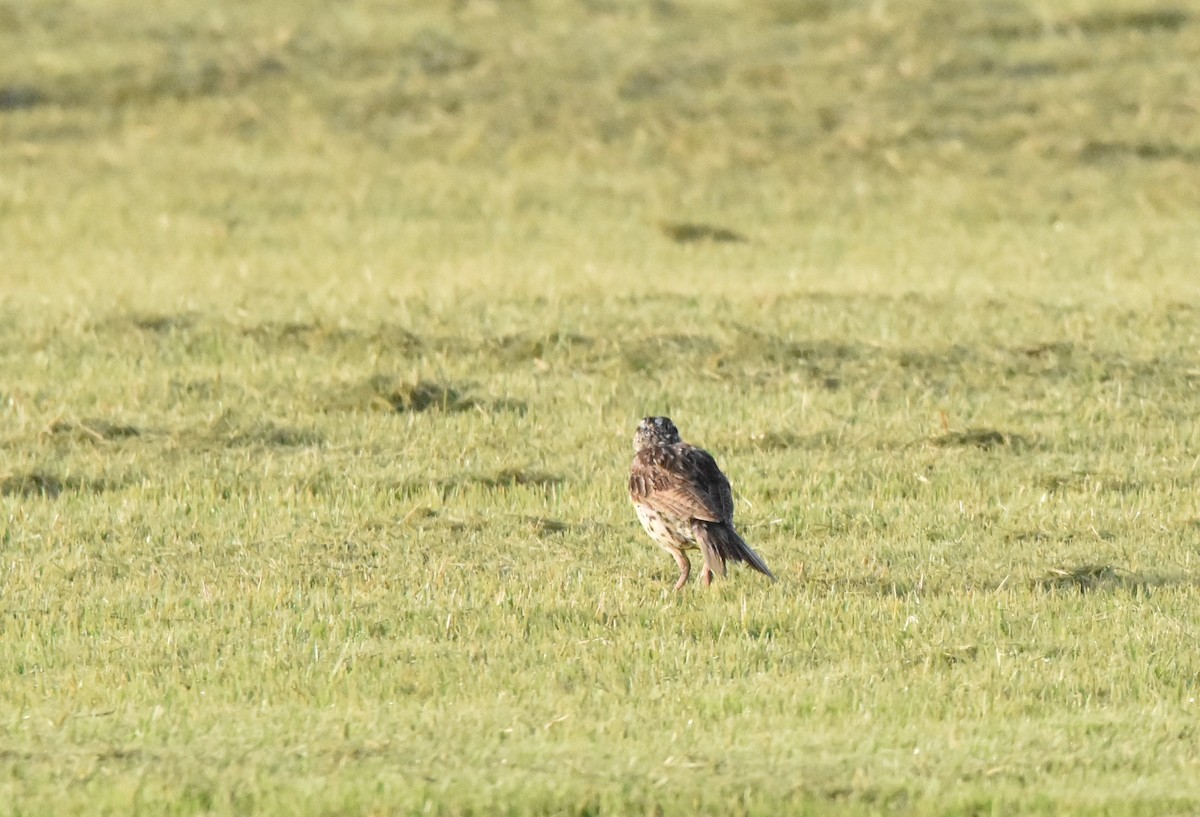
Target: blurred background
{"points": [[324, 153]]}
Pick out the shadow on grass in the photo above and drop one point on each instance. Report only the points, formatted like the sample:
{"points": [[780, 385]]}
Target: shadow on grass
{"points": [[504, 479], [273, 436], [777, 440], [544, 526], [1138, 20], [1088, 578], [739, 353], [983, 438], [21, 97], [94, 429], [516, 477], [1095, 151], [1099, 23], [312, 335], [523, 347], [39, 484], [684, 232], [153, 322], [1084, 578], [423, 517], [1088, 482], [387, 394], [264, 434], [650, 352]]}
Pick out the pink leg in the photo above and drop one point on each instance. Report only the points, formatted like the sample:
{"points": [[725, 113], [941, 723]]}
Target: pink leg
{"points": [[685, 568]]}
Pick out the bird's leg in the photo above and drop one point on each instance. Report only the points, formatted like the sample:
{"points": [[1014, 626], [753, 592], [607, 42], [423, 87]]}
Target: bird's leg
{"points": [[685, 568], [706, 576]]}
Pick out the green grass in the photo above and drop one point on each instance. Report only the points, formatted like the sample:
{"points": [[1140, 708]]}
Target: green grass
{"points": [[324, 329]]}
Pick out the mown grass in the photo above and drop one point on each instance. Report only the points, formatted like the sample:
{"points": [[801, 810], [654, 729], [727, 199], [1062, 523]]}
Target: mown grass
{"points": [[324, 330]]}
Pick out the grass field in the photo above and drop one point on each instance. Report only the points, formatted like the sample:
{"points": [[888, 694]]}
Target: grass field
{"points": [[324, 329]]}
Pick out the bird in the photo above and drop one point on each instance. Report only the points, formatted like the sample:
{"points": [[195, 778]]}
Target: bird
{"points": [[685, 503]]}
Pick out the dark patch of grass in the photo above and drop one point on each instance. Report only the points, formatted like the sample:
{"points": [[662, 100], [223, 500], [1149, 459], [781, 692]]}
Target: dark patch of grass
{"points": [[537, 346], [436, 53], [314, 335], [199, 389], [18, 97], [1046, 350], [32, 484], [818, 355], [1012, 31], [41, 484], [983, 438], [502, 479], [418, 515], [1090, 577], [184, 71], [933, 362], [1087, 481], [1031, 69], [517, 477], [281, 331], [1024, 25], [542, 525], [424, 395], [273, 436], [793, 12], [395, 339], [958, 654], [1034, 535], [686, 232], [679, 79], [425, 518], [759, 356], [158, 323], [649, 352], [777, 440], [1142, 20], [1096, 151], [97, 430], [384, 392], [676, 343]]}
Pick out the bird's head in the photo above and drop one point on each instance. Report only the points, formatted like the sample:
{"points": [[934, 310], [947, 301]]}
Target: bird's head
{"points": [[655, 431]]}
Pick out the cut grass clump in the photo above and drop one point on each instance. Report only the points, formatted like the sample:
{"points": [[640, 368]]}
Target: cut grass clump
{"points": [[32, 484], [97, 430], [43, 484], [1094, 577], [20, 97], [518, 477], [420, 396], [1122, 21], [983, 438], [1090, 482], [156, 323], [387, 393], [685, 232], [503, 479], [270, 435]]}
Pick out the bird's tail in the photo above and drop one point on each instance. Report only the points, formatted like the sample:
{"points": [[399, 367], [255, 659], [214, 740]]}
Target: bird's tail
{"points": [[720, 542]]}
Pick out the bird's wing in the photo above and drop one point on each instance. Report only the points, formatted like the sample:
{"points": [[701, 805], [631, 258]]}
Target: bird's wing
{"points": [[683, 481], [724, 493]]}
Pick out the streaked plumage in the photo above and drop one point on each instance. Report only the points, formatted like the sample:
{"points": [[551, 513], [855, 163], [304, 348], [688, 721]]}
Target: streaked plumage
{"points": [[685, 502]]}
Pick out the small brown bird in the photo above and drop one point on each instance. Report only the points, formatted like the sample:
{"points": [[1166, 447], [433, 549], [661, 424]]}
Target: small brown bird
{"points": [[685, 502]]}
